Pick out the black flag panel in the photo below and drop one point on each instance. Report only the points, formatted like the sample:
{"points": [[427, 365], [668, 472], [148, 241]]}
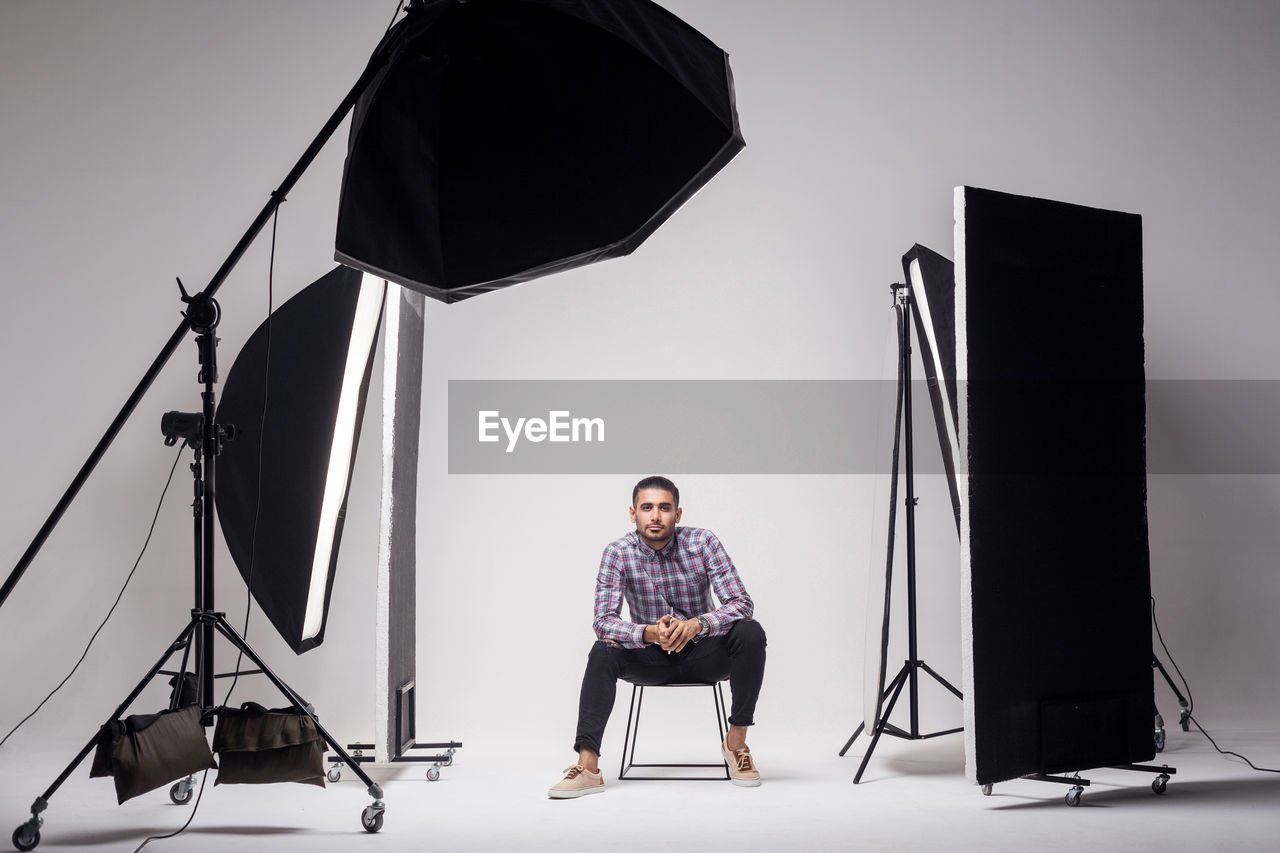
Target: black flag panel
{"points": [[1053, 421]]}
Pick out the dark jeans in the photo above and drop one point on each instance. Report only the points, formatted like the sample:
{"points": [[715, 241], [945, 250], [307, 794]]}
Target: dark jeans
{"points": [[737, 656]]}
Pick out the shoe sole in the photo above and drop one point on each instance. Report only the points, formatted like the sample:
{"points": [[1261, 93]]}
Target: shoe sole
{"points": [[746, 783], [569, 795]]}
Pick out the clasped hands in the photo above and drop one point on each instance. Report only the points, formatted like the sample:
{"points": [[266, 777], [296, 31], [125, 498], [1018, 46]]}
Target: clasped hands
{"points": [[673, 634]]}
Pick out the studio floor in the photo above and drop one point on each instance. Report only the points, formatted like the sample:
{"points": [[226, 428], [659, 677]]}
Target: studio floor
{"points": [[913, 797]]}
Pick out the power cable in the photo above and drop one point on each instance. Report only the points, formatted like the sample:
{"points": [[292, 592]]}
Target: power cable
{"points": [[262, 426], [1229, 752], [120, 595], [194, 807], [1191, 704]]}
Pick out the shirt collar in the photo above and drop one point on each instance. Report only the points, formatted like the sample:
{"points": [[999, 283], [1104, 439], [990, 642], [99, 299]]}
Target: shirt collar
{"points": [[668, 551]]}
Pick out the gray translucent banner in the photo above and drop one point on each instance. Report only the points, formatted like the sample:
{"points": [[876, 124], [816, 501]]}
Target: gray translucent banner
{"points": [[1202, 427]]}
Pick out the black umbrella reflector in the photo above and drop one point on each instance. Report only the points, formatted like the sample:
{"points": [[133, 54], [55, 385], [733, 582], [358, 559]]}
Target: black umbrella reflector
{"points": [[509, 139], [321, 346]]}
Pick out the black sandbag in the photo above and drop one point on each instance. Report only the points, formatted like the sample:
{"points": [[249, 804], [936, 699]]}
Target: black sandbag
{"points": [[147, 751], [257, 746]]}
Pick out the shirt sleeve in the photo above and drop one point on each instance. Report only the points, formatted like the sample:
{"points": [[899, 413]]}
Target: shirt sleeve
{"points": [[735, 603], [608, 623]]}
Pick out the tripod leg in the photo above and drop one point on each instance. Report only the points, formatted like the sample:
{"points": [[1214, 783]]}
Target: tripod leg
{"points": [[852, 738], [239, 642], [175, 699], [863, 725], [42, 802], [881, 723], [941, 680], [1184, 706]]}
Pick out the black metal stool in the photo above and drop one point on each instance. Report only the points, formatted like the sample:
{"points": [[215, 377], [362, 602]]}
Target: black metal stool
{"points": [[633, 731]]}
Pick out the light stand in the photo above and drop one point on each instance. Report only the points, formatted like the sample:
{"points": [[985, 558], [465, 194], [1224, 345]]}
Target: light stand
{"points": [[1184, 707], [909, 674], [205, 436]]}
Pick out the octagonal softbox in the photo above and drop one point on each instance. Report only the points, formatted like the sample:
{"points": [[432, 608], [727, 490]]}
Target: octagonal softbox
{"points": [[508, 139]]}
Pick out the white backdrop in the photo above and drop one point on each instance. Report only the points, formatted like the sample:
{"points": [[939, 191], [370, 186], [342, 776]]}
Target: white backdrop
{"points": [[141, 137]]}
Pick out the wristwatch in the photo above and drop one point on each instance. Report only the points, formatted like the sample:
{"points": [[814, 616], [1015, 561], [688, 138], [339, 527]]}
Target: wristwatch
{"points": [[706, 626]]}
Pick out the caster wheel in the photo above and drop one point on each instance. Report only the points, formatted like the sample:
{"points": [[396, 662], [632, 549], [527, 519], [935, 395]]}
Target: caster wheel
{"points": [[448, 762], [371, 819], [433, 774], [1073, 796], [1159, 740], [986, 790], [1160, 783], [334, 774], [181, 792], [26, 837], [1184, 720]]}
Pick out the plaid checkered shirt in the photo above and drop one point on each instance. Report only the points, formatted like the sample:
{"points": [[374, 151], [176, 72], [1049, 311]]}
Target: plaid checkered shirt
{"points": [[678, 579]]}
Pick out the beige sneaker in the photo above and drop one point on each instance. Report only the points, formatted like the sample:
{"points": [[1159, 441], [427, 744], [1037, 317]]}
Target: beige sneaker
{"points": [[577, 781], [742, 767]]}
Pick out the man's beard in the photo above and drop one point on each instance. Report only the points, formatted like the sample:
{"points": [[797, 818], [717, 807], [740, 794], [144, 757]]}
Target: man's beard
{"points": [[661, 536]]}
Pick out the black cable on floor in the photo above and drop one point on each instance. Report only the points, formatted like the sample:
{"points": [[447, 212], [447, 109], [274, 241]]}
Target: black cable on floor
{"points": [[1227, 751], [182, 828], [120, 595], [1191, 702]]}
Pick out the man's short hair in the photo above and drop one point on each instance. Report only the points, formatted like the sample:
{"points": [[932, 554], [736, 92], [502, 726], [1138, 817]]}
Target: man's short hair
{"points": [[655, 482]]}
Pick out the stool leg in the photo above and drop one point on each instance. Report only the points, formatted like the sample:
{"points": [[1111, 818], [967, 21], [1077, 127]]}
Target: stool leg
{"points": [[633, 713], [722, 719], [635, 732]]}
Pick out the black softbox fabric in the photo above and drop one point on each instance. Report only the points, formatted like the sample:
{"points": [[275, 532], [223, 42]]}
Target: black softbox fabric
{"points": [[508, 139], [309, 340]]}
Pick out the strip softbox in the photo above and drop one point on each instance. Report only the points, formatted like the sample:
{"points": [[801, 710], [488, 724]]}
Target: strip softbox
{"points": [[283, 481]]}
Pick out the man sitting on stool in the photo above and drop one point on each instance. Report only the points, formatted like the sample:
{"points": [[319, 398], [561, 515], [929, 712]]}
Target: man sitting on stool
{"points": [[667, 575]]}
